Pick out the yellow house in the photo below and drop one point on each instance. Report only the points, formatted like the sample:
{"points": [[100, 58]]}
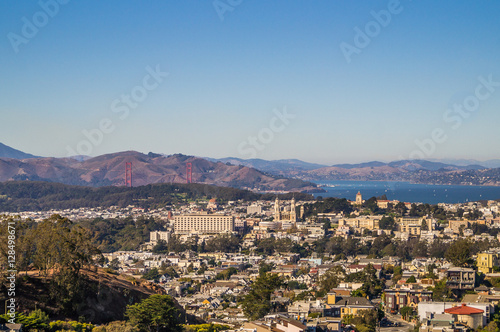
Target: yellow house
{"points": [[351, 306], [337, 294], [486, 261]]}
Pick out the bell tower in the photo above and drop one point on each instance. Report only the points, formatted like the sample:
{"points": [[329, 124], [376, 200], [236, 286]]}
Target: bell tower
{"points": [[359, 198], [293, 214], [277, 210]]}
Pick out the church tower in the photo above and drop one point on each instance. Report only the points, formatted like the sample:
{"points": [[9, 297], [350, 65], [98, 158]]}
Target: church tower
{"points": [[359, 199], [277, 210], [293, 214]]}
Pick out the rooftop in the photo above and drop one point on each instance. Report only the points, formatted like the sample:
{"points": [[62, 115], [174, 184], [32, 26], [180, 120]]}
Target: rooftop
{"points": [[349, 301], [463, 310]]}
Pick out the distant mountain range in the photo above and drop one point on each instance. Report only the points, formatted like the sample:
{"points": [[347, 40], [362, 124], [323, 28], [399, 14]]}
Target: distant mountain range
{"points": [[109, 170], [409, 171], [8, 152], [411, 165], [253, 174], [492, 163], [284, 166], [271, 166], [418, 171]]}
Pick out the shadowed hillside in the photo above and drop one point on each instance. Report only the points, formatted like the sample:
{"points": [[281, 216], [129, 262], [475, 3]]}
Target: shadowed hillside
{"points": [[106, 296]]}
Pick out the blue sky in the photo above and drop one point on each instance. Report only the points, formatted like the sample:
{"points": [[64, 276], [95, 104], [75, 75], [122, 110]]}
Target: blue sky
{"points": [[228, 78]]}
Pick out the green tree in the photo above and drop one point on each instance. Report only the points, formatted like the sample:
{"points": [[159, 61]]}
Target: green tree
{"points": [[389, 250], [459, 253], [400, 208], [430, 272], [441, 292], [152, 274], [284, 245], [223, 243], [266, 246], [327, 205], [257, 302], [226, 274], [170, 271], [160, 247], [358, 293], [372, 285], [121, 234], [371, 204], [212, 262], [491, 327], [155, 313], [424, 225], [331, 278], [203, 268], [206, 328], [379, 244], [265, 267], [406, 312], [474, 214], [365, 321], [411, 280], [397, 274], [479, 228], [293, 284], [438, 248], [114, 264], [326, 224], [419, 249], [387, 222], [117, 326], [59, 250], [37, 320], [175, 244]]}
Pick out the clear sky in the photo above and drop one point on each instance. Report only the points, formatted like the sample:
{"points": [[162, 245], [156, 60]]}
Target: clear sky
{"points": [[351, 81]]}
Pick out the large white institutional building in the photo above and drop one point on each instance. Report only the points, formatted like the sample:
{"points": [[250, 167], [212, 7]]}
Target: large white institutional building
{"points": [[203, 224]]}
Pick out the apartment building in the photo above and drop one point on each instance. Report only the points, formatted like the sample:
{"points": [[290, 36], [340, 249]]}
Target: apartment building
{"points": [[366, 222], [461, 278], [486, 261], [395, 299], [203, 224]]}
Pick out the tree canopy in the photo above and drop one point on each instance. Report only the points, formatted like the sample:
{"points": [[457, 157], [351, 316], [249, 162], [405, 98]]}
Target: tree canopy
{"points": [[59, 250], [459, 253], [155, 313], [257, 302], [18, 196]]}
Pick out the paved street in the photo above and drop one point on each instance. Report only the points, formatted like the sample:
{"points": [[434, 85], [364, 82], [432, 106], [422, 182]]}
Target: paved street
{"points": [[396, 329], [404, 326]]}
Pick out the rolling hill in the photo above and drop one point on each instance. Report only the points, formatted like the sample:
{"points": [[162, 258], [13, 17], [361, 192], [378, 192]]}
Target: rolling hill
{"points": [[254, 174], [106, 296], [410, 171], [109, 170], [17, 196], [278, 167]]}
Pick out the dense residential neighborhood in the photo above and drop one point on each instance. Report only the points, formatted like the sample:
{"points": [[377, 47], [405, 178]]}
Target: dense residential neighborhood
{"points": [[324, 265]]}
